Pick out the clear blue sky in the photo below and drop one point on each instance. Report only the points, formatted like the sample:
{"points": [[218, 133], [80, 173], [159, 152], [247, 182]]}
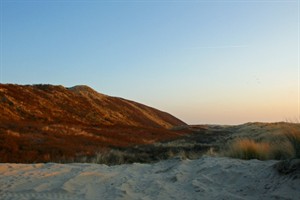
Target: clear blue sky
{"points": [[225, 62]]}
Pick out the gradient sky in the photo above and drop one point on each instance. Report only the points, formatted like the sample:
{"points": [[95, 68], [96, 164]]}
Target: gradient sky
{"points": [[220, 62]]}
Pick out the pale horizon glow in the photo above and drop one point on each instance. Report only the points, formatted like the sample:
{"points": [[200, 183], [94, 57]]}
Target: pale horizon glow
{"points": [[205, 62]]}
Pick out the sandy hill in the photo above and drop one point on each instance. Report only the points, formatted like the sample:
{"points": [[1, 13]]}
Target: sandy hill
{"points": [[79, 104], [46, 122]]}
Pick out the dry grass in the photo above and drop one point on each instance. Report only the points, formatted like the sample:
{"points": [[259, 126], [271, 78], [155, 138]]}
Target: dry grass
{"points": [[249, 149], [279, 147], [281, 150], [293, 137]]}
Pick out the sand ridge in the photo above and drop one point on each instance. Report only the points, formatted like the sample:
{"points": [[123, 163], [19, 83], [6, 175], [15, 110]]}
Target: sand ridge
{"points": [[205, 178]]}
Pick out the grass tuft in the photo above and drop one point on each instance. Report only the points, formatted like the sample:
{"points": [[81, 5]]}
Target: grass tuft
{"points": [[294, 138], [249, 149], [280, 147], [281, 150]]}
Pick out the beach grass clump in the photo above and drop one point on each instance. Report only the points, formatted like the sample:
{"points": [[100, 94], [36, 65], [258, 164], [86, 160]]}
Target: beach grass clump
{"points": [[245, 148], [280, 147], [281, 150], [293, 137]]}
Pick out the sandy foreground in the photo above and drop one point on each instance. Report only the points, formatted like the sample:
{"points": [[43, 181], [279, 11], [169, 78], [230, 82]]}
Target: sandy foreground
{"points": [[205, 178]]}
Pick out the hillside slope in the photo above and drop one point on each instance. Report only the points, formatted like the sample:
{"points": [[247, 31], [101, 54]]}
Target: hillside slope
{"points": [[40, 123], [79, 104]]}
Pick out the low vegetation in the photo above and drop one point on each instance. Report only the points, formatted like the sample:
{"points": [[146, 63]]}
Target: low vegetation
{"points": [[112, 145], [65, 143], [249, 149], [278, 147], [294, 138], [34, 143], [193, 145]]}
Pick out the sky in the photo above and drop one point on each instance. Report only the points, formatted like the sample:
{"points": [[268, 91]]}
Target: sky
{"points": [[205, 62]]}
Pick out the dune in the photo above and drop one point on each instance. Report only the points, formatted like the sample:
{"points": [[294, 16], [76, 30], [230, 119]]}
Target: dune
{"points": [[52, 123], [204, 178]]}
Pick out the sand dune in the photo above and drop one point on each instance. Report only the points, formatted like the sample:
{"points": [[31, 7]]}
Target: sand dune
{"points": [[205, 178], [48, 123]]}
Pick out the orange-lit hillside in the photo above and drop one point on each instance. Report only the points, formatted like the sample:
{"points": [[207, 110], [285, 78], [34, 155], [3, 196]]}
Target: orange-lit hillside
{"points": [[39, 123]]}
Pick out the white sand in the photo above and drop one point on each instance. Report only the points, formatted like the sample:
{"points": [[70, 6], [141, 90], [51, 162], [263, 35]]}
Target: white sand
{"points": [[205, 178]]}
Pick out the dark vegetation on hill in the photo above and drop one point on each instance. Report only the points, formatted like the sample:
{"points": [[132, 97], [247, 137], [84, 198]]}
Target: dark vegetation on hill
{"points": [[197, 141]]}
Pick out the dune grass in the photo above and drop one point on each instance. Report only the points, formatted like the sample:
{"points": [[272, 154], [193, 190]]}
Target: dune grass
{"points": [[249, 149], [284, 146], [294, 138]]}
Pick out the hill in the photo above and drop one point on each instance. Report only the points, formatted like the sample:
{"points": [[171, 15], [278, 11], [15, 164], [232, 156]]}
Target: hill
{"points": [[39, 123], [77, 105]]}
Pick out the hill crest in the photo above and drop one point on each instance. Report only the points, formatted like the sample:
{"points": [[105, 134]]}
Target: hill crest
{"points": [[78, 104]]}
